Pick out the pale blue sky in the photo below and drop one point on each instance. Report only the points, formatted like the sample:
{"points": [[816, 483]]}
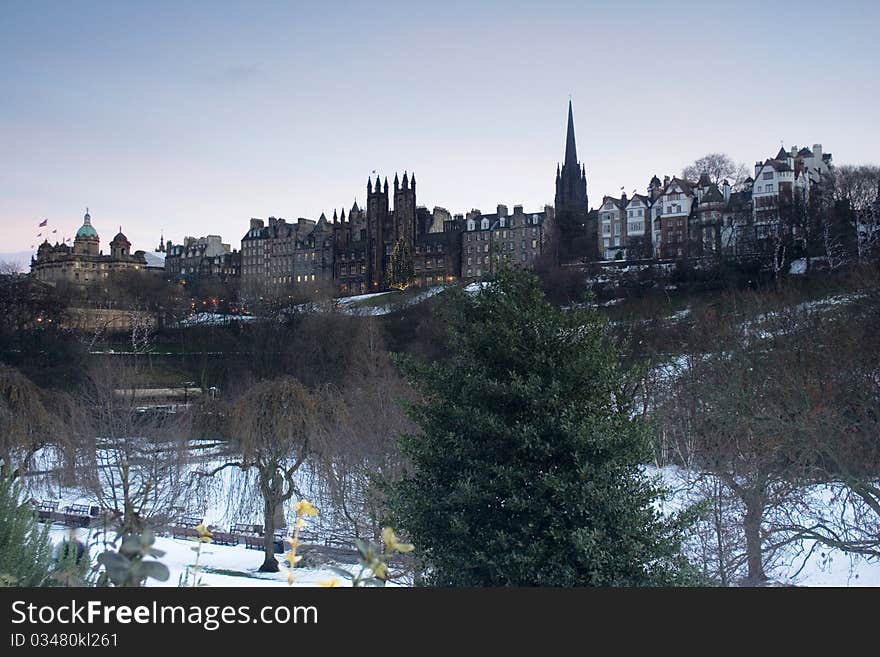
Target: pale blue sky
{"points": [[194, 117]]}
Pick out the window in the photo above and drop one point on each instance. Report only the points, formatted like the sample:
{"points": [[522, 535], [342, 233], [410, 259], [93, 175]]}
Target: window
{"points": [[768, 175]]}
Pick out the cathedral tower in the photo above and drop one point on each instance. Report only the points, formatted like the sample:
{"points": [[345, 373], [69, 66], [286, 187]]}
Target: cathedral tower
{"points": [[577, 238]]}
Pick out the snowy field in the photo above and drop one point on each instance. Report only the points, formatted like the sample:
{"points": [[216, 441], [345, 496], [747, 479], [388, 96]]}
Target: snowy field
{"points": [[221, 565], [804, 562]]}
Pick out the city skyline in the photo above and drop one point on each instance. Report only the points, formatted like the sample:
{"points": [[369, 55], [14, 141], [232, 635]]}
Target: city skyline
{"points": [[170, 120]]}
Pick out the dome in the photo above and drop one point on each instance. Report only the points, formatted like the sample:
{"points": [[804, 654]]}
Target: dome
{"points": [[86, 230], [119, 237]]}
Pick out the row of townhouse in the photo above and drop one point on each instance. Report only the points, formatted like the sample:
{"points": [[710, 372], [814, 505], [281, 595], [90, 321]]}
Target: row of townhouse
{"points": [[681, 218]]}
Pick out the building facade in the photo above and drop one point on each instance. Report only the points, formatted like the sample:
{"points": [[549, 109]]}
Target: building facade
{"points": [[84, 266], [200, 258], [490, 239]]}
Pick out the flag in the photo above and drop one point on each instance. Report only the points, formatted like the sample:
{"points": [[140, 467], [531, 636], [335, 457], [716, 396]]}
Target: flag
{"points": [[44, 222]]}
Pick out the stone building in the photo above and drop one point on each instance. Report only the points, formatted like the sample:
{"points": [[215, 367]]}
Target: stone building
{"points": [[291, 257], [517, 238], [200, 258], [84, 266], [612, 219]]}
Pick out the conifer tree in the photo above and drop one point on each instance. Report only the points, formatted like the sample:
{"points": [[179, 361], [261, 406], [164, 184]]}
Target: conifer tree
{"points": [[25, 548], [401, 268], [528, 469]]}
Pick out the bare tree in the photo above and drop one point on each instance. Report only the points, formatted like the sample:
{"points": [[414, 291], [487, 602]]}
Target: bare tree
{"points": [[274, 427], [26, 425], [738, 412], [130, 455], [364, 419], [856, 190], [719, 167]]}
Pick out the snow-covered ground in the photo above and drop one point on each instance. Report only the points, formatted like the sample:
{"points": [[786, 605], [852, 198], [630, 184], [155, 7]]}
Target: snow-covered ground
{"points": [[802, 563], [221, 565]]}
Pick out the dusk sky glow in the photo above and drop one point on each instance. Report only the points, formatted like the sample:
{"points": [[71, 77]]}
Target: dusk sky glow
{"points": [[193, 117]]}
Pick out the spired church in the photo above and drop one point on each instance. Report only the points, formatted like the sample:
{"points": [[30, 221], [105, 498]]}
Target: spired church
{"points": [[84, 266], [577, 231]]}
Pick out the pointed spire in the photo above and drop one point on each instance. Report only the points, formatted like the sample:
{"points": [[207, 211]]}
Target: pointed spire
{"points": [[335, 216], [369, 186], [379, 183], [396, 182], [570, 148], [405, 181], [386, 184], [412, 181], [342, 216]]}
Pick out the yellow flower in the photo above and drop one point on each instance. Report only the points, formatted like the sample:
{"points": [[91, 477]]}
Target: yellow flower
{"points": [[304, 507], [392, 543], [205, 536], [380, 570], [333, 581]]}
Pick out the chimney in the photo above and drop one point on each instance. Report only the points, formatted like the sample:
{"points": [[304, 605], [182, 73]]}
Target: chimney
{"points": [[256, 223], [272, 222], [817, 151], [517, 209], [501, 210], [725, 189]]}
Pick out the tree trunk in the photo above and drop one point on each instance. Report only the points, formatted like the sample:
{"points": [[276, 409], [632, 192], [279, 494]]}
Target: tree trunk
{"points": [[270, 563], [752, 529]]}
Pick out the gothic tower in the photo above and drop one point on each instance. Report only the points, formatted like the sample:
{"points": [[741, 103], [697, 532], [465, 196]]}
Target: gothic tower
{"points": [[378, 220], [577, 237], [405, 209]]}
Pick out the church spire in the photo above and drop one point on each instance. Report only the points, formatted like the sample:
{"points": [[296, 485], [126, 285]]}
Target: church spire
{"points": [[570, 148]]}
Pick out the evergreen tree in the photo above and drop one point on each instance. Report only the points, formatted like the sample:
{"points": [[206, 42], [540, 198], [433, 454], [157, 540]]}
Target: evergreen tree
{"points": [[25, 548], [528, 467], [401, 269]]}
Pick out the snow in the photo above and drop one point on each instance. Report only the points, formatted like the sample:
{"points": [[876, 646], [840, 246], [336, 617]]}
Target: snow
{"points": [[804, 562], [214, 319], [344, 301], [240, 562]]}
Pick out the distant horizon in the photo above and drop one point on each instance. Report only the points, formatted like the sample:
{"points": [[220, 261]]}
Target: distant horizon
{"points": [[190, 120]]}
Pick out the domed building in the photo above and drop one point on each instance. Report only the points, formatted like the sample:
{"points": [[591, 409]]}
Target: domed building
{"points": [[84, 265]]}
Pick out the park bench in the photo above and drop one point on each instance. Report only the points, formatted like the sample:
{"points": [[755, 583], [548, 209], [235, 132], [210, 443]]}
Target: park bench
{"points": [[46, 509], [77, 515], [243, 528], [224, 538], [185, 526]]}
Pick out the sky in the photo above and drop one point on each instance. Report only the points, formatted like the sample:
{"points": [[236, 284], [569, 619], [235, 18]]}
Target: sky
{"points": [[191, 118]]}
